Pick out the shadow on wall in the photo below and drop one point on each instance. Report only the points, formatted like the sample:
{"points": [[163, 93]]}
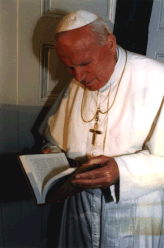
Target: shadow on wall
{"points": [[52, 70], [17, 208], [13, 186], [43, 48]]}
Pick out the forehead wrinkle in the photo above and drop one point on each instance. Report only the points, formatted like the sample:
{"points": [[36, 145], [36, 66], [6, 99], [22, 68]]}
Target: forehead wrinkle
{"points": [[80, 59], [84, 42], [76, 54], [74, 59], [78, 38], [75, 45]]}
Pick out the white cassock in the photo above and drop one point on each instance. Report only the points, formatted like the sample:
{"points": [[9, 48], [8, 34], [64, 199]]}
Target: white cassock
{"points": [[132, 133]]}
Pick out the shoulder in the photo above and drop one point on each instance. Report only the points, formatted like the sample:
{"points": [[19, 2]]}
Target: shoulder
{"points": [[146, 71], [144, 63], [70, 89]]}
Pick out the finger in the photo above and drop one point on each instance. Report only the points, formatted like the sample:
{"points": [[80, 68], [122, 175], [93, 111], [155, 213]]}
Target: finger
{"points": [[93, 183], [46, 150], [96, 173], [96, 160]]}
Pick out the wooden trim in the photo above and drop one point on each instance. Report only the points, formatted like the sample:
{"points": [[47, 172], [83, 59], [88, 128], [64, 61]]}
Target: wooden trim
{"points": [[161, 19], [46, 6], [160, 57], [112, 10], [44, 68]]}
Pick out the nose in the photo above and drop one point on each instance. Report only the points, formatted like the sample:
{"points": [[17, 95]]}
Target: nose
{"points": [[79, 73]]}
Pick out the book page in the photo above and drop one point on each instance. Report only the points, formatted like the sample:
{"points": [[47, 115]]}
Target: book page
{"points": [[45, 166], [53, 180]]}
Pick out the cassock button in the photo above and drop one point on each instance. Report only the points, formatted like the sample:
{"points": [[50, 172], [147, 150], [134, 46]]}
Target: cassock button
{"points": [[101, 96], [94, 153]]}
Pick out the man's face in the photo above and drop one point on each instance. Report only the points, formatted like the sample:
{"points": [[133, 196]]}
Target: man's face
{"points": [[89, 62]]}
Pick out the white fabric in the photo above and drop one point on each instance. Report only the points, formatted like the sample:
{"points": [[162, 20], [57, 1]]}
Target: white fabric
{"points": [[76, 19], [133, 133], [132, 124]]}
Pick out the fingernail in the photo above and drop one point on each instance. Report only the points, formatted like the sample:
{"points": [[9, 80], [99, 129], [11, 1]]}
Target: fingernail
{"points": [[77, 176]]}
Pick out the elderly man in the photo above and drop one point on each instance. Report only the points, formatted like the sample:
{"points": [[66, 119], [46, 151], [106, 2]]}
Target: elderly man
{"points": [[111, 114]]}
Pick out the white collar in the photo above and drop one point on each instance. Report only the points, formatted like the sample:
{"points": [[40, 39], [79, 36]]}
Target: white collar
{"points": [[121, 58]]}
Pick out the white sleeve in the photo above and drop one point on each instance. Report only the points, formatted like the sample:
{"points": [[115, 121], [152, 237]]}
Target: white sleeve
{"points": [[54, 149], [143, 172]]}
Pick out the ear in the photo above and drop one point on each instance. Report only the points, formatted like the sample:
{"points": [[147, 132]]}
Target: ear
{"points": [[111, 42]]}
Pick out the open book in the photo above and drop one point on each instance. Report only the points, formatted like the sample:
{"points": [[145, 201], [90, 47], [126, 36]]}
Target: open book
{"points": [[50, 176]]}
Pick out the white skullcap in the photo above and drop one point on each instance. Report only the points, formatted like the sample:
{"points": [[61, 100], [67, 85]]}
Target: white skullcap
{"points": [[76, 19]]}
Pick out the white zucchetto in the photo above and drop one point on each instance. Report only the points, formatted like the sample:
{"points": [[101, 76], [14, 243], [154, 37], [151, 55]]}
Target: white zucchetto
{"points": [[76, 19]]}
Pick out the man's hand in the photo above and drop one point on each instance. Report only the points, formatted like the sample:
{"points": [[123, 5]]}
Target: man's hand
{"points": [[46, 150], [103, 177]]}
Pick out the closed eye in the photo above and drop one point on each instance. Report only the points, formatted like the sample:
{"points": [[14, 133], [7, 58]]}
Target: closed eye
{"points": [[84, 64], [71, 68]]}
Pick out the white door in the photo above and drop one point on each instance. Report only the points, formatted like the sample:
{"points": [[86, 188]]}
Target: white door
{"points": [[155, 48]]}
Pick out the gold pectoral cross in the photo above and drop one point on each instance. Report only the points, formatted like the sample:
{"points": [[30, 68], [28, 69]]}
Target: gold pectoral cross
{"points": [[95, 131]]}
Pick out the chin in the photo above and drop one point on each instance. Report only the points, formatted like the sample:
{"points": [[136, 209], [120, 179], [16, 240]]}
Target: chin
{"points": [[93, 88]]}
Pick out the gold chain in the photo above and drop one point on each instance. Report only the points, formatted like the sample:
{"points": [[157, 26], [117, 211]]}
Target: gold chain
{"points": [[98, 108]]}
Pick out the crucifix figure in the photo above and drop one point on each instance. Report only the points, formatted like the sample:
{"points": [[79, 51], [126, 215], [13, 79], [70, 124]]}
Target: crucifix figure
{"points": [[95, 131]]}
